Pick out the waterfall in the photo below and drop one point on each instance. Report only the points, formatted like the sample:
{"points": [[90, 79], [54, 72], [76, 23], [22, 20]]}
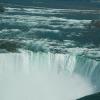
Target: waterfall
{"points": [[45, 53], [45, 76], [88, 68], [28, 62]]}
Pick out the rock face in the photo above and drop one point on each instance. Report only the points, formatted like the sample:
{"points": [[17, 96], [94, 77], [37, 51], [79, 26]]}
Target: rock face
{"points": [[91, 97], [95, 23], [2, 9], [9, 46]]}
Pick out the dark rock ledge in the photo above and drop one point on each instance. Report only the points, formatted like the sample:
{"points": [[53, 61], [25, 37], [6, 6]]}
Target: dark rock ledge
{"points": [[2, 9], [95, 24], [91, 97]]}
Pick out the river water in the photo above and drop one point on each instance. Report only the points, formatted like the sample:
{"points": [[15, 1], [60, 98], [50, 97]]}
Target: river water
{"points": [[48, 54]]}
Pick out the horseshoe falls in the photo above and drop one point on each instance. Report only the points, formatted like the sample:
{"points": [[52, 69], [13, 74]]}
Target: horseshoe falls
{"points": [[48, 53]]}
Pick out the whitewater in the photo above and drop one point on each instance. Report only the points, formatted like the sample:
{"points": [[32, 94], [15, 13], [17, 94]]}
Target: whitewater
{"points": [[48, 54]]}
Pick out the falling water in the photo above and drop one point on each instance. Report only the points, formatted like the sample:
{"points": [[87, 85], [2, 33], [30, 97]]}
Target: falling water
{"points": [[36, 61], [41, 76]]}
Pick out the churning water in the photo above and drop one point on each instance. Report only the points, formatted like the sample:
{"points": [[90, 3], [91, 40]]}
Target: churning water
{"points": [[48, 54], [40, 76]]}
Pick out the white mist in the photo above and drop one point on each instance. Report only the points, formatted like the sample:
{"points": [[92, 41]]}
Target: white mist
{"points": [[40, 76]]}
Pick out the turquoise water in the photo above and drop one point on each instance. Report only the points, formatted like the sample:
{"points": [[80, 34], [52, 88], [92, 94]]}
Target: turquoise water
{"points": [[48, 54]]}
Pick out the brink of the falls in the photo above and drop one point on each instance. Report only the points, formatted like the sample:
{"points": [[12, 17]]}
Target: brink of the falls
{"points": [[28, 75]]}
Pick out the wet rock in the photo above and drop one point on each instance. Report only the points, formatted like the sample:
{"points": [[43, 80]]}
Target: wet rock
{"points": [[2, 9], [91, 97], [95, 24], [10, 46]]}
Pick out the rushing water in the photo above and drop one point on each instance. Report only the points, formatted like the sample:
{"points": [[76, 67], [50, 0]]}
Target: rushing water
{"points": [[48, 54], [43, 76]]}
